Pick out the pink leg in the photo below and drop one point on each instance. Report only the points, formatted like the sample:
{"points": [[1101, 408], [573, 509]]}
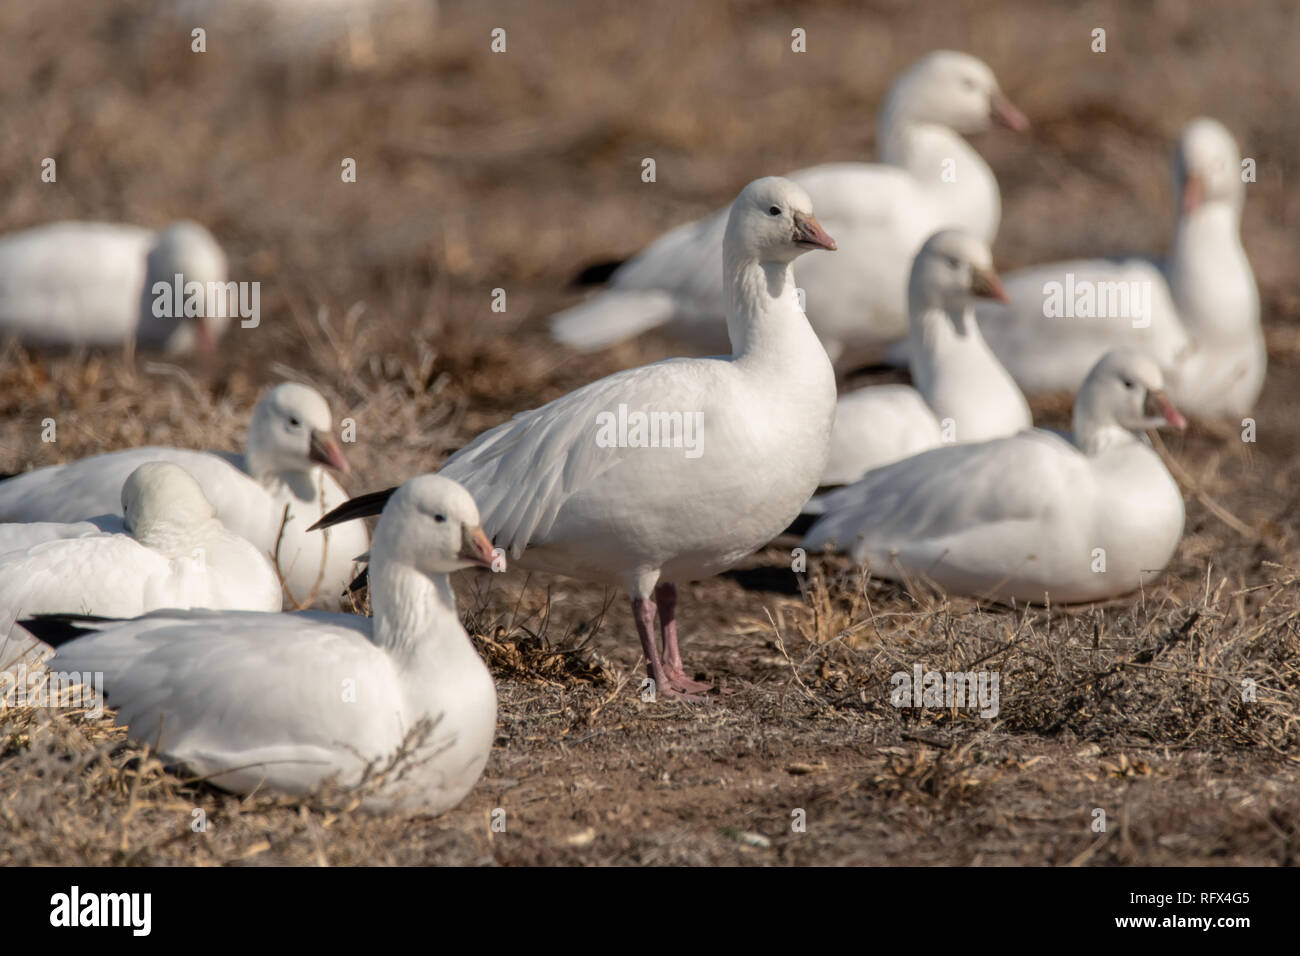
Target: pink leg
{"points": [[666, 596], [643, 609]]}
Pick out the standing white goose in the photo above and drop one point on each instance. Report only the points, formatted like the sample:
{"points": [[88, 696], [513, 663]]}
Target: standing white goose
{"points": [[1029, 517], [71, 284], [289, 438], [929, 178], [739, 442], [1201, 323], [171, 553], [285, 701], [962, 393]]}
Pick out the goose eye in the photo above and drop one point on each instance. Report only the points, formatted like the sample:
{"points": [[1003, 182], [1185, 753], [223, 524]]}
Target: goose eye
{"points": [[775, 211], [294, 422], [440, 518], [968, 83], [954, 263], [1128, 383]]}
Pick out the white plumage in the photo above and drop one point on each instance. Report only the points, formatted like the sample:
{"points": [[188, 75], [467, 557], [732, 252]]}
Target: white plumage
{"points": [[70, 284], [562, 499], [284, 701], [1032, 516], [171, 552], [1203, 312], [289, 438], [962, 393], [930, 178]]}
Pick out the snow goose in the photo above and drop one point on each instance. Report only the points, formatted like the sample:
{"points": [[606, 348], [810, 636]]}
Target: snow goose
{"points": [[1201, 322], [284, 701], [1032, 516], [289, 438], [676, 470], [293, 30], [929, 178], [172, 552], [70, 284], [962, 391]]}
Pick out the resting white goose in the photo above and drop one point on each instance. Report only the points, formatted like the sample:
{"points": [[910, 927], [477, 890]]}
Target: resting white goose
{"points": [[71, 284], [962, 393], [17, 537], [289, 438], [1031, 516], [284, 701], [929, 178], [1204, 307], [740, 443], [172, 552]]}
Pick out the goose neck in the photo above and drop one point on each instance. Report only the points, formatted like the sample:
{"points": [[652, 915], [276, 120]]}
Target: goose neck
{"points": [[762, 304], [412, 611]]}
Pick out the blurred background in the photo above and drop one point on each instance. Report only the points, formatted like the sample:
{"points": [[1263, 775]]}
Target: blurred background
{"points": [[479, 170]]}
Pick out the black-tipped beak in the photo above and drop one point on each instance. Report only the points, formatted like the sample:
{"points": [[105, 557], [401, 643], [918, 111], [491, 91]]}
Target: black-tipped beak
{"points": [[809, 234], [325, 450], [986, 285], [362, 506], [475, 547]]}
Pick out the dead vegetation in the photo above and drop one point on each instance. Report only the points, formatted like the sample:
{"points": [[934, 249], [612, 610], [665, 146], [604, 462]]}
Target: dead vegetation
{"points": [[479, 173]]}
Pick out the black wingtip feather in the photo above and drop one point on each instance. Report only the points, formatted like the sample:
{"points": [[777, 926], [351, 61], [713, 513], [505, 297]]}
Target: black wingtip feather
{"points": [[362, 506], [597, 273], [58, 629], [801, 525]]}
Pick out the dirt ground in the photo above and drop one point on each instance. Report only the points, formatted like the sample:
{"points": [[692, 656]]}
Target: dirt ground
{"points": [[479, 171]]}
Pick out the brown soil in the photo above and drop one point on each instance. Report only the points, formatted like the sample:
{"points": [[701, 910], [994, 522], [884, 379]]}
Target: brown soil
{"points": [[480, 171]]}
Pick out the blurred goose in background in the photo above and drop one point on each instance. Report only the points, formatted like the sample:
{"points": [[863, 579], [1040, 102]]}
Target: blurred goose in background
{"points": [[1030, 517], [283, 702], [172, 552], [290, 437], [70, 284], [929, 178], [676, 470], [294, 29], [1204, 307], [960, 387]]}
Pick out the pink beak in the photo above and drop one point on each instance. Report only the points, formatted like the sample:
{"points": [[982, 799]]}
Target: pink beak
{"points": [[1004, 112], [1193, 194], [1171, 415], [204, 340], [476, 548], [809, 234], [986, 285], [325, 450]]}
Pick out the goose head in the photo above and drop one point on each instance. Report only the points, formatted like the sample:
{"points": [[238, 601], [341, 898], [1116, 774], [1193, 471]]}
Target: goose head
{"points": [[432, 524], [292, 432], [1126, 389], [772, 221], [952, 89], [186, 249], [160, 498], [1207, 167], [952, 269]]}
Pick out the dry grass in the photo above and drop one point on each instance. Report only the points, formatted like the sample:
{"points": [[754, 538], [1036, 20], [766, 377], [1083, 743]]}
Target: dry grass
{"points": [[478, 172]]}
